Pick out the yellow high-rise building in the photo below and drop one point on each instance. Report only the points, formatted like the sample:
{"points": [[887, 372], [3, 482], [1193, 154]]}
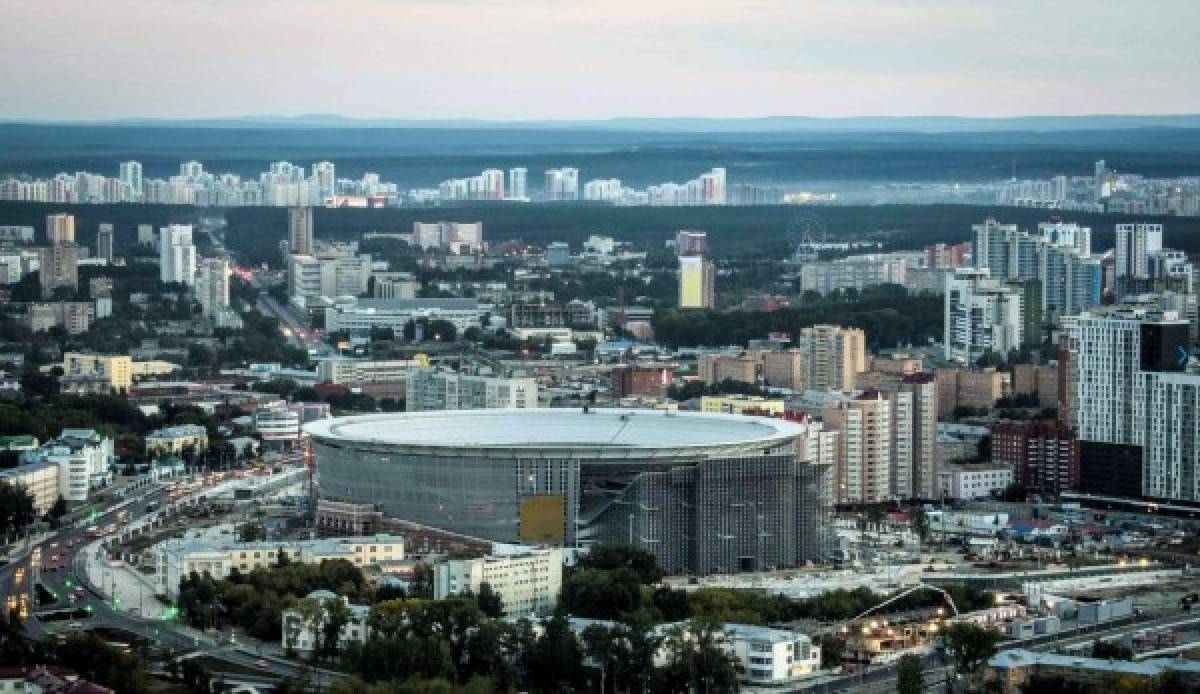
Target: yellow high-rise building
{"points": [[696, 282]]}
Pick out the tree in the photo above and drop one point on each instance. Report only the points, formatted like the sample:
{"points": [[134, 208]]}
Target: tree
{"points": [[382, 334], [910, 675], [555, 662], [600, 645], [490, 602], [1111, 650], [442, 330], [312, 614], [697, 661], [610, 557], [337, 615], [970, 645], [251, 532], [1015, 492], [16, 507], [920, 523]]}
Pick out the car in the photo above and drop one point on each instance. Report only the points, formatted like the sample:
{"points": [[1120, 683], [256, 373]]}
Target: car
{"points": [[75, 625], [262, 663]]}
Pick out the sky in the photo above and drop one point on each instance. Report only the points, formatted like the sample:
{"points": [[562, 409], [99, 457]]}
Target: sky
{"points": [[570, 59]]}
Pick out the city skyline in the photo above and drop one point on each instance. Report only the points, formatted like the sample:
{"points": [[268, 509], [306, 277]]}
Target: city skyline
{"points": [[419, 59]]}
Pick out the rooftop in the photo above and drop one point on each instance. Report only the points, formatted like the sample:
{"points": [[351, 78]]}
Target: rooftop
{"points": [[508, 428], [1148, 668]]}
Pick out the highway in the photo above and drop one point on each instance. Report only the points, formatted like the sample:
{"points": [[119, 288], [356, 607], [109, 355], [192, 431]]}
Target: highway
{"points": [[56, 561]]}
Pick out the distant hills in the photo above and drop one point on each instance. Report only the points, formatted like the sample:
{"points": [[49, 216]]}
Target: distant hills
{"points": [[772, 124]]}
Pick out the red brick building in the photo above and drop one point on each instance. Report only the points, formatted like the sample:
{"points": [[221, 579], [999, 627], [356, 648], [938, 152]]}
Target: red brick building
{"points": [[1043, 454], [641, 380]]}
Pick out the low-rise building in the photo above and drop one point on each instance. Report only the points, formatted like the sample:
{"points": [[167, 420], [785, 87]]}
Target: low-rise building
{"points": [[1010, 671], [428, 389], [742, 404], [363, 314], [115, 370], [177, 439], [527, 580], [974, 480], [301, 636], [84, 459], [281, 423], [75, 317], [771, 656], [179, 558], [638, 379], [40, 480]]}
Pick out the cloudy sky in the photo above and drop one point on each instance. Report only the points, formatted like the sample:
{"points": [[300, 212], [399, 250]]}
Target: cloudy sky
{"points": [[511, 59]]}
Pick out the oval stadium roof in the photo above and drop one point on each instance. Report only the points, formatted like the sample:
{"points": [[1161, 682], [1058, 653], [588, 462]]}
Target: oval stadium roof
{"points": [[555, 427]]}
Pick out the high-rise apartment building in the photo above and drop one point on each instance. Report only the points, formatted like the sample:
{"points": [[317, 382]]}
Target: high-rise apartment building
{"points": [[1136, 407], [1134, 245], [58, 266], [177, 254], [914, 401], [561, 184], [60, 228], [981, 315], [131, 176], [456, 237], [324, 174], [212, 286], [300, 230], [1056, 259], [1068, 234], [518, 183], [105, 241], [697, 282], [493, 184], [1043, 454], [865, 445], [688, 242], [833, 356]]}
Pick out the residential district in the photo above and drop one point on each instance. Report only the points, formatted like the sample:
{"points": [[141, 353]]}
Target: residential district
{"points": [[426, 460]]}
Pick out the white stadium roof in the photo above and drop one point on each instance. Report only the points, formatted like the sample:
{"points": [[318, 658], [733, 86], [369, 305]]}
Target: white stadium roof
{"points": [[556, 427]]}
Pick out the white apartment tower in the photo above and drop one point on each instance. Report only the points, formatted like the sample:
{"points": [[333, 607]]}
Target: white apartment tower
{"points": [[212, 286], [326, 179], [493, 184], [561, 184], [517, 183], [982, 315], [1135, 244], [177, 255], [131, 176]]}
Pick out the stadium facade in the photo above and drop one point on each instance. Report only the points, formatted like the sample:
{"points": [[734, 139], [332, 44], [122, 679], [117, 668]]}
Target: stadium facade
{"points": [[706, 493]]}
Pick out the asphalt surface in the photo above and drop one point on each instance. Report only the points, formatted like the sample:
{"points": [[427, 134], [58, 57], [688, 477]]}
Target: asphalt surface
{"points": [[60, 570]]}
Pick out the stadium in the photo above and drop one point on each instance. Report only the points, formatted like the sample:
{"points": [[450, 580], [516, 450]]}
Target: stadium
{"points": [[706, 493]]}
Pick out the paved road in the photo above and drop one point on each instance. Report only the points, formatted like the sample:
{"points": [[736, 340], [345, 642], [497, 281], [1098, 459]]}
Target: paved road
{"points": [[19, 577]]}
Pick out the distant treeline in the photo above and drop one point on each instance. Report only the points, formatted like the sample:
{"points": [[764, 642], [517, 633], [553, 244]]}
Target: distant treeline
{"points": [[765, 230]]}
